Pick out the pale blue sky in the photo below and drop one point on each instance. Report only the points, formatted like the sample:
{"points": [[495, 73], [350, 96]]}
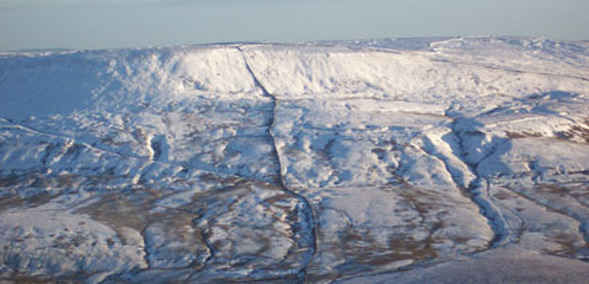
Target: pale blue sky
{"points": [[91, 24]]}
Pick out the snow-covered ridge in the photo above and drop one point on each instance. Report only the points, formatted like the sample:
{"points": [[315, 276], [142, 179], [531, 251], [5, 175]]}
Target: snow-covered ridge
{"points": [[310, 162]]}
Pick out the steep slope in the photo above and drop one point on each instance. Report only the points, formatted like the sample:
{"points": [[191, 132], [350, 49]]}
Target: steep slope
{"points": [[311, 162]]}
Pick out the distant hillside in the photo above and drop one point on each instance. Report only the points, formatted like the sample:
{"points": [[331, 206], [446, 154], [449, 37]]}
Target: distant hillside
{"points": [[311, 162]]}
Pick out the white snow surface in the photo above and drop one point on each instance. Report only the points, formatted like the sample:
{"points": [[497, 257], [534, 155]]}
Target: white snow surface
{"points": [[394, 160]]}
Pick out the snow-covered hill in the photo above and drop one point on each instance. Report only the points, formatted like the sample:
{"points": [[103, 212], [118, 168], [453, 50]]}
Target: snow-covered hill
{"points": [[312, 162]]}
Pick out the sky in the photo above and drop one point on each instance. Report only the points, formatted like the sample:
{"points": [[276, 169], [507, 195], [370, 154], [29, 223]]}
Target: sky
{"points": [[100, 24]]}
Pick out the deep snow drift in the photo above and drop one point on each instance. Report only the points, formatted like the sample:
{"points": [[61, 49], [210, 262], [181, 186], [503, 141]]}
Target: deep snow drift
{"points": [[343, 161]]}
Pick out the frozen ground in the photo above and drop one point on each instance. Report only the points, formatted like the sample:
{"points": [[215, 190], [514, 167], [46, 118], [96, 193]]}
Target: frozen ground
{"points": [[449, 160]]}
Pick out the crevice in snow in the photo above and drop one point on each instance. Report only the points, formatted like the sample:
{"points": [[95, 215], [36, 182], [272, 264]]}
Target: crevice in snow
{"points": [[481, 188], [145, 248], [493, 212], [308, 221], [479, 192], [458, 178], [205, 239]]}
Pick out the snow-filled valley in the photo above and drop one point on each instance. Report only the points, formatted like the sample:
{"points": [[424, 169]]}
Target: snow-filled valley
{"points": [[394, 160]]}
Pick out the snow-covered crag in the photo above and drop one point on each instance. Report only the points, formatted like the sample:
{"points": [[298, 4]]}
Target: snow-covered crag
{"points": [[306, 162]]}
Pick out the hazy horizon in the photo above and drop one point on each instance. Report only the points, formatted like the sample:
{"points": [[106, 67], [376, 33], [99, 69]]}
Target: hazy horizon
{"points": [[85, 24]]}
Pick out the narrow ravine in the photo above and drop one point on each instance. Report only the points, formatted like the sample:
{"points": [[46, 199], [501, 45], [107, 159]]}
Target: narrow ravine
{"points": [[308, 222], [478, 190]]}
